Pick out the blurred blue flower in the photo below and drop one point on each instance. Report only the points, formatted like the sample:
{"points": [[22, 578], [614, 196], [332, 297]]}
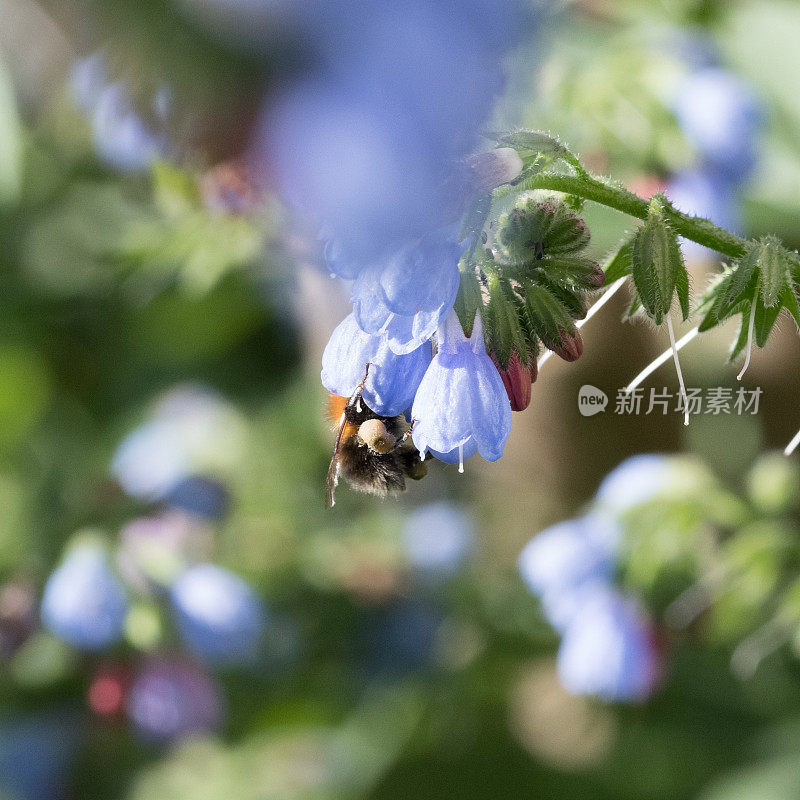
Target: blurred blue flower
{"points": [[191, 430], [219, 616], [399, 93], [122, 138], [438, 537], [36, 754], [88, 78], [609, 650], [84, 604], [569, 553], [393, 379], [709, 194], [635, 481], [407, 297], [722, 117], [170, 699], [564, 564], [203, 497], [461, 403]]}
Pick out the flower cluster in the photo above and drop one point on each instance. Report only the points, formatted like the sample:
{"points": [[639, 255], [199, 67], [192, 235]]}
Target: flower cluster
{"points": [[158, 582], [609, 645], [518, 283]]}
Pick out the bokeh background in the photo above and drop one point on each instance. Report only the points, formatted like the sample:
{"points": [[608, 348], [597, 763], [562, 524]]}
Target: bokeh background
{"points": [[179, 615]]}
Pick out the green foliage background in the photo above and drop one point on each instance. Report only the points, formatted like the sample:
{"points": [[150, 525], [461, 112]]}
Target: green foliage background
{"points": [[116, 288]]}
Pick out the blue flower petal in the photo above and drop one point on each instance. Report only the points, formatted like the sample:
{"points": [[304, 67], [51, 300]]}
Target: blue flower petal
{"points": [[441, 410], [422, 277], [403, 334], [491, 409], [393, 379]]}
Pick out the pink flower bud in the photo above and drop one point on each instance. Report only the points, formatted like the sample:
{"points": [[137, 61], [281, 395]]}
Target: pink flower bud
{"points": [[517, 379], [570, 348]]}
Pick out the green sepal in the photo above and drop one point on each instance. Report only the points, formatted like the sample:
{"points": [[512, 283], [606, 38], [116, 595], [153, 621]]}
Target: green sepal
{"points": [[717, 303], [545, 315], [657, 264], [576, 271], [468, 300], [775, 267], [682, 287], [741, 339], [571, 298], [742, 272], [504, 329], [789, 301], [765, 320]]}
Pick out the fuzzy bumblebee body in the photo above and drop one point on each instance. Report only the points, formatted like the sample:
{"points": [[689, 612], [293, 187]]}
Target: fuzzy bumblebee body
{"points": [[374, 453]]}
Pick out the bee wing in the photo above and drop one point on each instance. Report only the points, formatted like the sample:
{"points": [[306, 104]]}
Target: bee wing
{"points": [[334, 469]]}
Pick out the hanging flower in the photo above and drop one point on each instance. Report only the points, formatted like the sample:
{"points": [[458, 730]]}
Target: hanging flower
{"points": [[392, 380], [609, 650], [461, 405], [408, 296]]}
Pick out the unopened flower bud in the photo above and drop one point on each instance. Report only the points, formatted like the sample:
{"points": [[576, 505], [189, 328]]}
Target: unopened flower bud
{"points": [[517, 379], [495, 168], [570, 348], [374, 434], [598, 277]]}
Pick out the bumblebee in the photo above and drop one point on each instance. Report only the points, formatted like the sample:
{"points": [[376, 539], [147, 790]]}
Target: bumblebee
{"points": [[373, 452]]}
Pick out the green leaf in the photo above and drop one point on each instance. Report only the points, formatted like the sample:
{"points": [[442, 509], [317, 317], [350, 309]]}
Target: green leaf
{"points": [[535, 142], [619, 264]]}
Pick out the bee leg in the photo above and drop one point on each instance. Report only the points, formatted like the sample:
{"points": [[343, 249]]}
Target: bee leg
{"points": [[356, 396]]}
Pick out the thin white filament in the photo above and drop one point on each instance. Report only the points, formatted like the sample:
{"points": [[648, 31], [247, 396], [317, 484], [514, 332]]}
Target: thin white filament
{"points": [[461, 458], [679, 371], [606, 296], [792, 446], [750, 329], [662, 359]]}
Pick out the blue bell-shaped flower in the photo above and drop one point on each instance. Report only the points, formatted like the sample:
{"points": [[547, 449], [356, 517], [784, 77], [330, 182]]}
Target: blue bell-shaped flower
{"points": [[407, 297], [609, 650], [392, 380], [461, 404]]}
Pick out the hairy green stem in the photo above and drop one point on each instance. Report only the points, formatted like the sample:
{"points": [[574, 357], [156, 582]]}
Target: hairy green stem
{"points": [[589, 188]]}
